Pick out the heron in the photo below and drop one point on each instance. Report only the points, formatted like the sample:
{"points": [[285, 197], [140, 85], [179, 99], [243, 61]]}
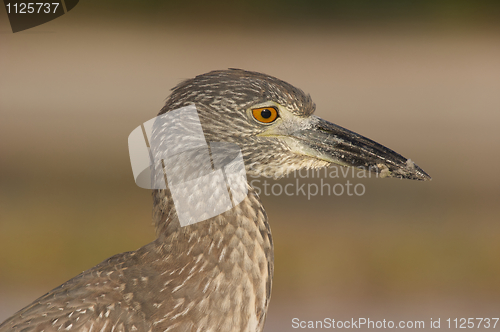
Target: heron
{"points": [[214, 275]]}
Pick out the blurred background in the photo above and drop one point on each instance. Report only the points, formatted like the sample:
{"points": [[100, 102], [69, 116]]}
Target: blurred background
{"points": [[421, 77]]}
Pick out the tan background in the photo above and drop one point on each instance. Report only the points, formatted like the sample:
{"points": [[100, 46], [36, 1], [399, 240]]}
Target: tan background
{"points": [[427, 86]]}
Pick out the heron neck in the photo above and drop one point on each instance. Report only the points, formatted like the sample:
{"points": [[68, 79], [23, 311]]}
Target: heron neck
{"points": [[248, 216], [218, 256]]}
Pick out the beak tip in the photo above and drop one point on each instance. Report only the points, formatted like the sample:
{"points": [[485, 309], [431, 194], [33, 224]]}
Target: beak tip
{"points": [[411, 171]]}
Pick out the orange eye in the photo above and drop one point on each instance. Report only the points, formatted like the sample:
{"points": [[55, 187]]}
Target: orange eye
{"points": [[265, 114]]}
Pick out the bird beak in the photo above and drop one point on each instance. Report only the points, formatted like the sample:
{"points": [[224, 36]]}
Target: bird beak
{"points": [[334, 144]]}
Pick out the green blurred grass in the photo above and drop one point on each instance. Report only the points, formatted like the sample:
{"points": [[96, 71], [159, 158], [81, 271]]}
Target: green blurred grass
{"points": [[383, 244], [339, 11], [61, 228]]}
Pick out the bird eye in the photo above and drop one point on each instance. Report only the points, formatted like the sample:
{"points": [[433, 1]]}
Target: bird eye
{"points": [[265, 114]]}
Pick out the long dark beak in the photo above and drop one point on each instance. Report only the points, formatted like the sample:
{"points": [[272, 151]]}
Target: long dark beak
{"points": [[332, 143]]}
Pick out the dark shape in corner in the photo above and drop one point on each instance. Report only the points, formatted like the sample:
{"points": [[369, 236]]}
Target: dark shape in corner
{"points": [[26, 15], [70, 4]]}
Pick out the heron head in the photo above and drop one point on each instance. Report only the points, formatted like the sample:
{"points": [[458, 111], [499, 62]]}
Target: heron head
{"points": [[273, 124]]}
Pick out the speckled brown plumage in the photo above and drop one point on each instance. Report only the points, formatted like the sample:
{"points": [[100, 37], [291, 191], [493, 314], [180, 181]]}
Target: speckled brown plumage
{"points": [[214, 275]]}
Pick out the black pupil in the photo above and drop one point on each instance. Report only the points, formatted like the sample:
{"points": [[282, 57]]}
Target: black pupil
{"points": [[266, 114]]}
